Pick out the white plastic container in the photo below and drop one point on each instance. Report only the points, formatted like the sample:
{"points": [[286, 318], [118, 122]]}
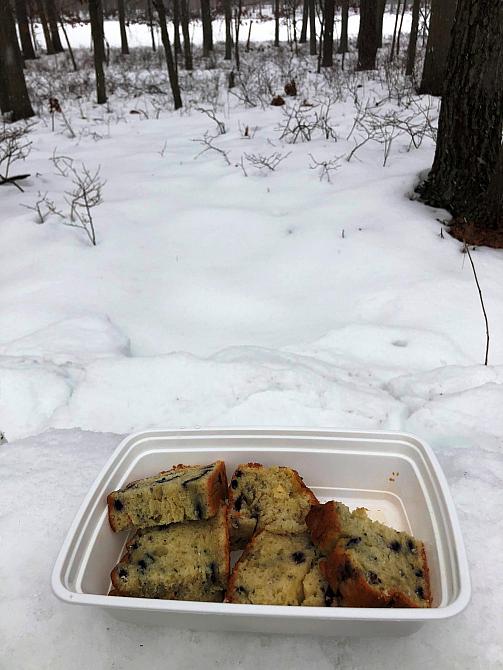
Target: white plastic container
{"points": [[395, 476]]}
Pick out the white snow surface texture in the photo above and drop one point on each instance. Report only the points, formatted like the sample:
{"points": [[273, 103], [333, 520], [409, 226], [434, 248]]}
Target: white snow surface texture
{"points": [[216, 298]]}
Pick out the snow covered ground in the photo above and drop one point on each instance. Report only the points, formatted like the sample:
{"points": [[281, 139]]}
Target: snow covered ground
{"points": [[223, 294]]}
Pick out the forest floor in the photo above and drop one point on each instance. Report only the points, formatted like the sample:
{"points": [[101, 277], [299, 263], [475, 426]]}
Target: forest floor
{"points": [[254, 265]]}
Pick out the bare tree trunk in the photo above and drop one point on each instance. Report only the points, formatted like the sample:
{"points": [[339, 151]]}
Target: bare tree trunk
{"points": [[173, 75], [470, 123], [176, 27], [367, 36], [184, 19], [312, 28], [490, 212], [97, 33], [45, 27], [276, 23], [68, 45], [400, 28], [393, 41], [305, 18], [24, 30], [381, 6], [237, 23], [328, 33], [343, 42], [437, 46], [122, 26], [52, 17], [151, 23], [411, 51], [228, 29], [14, 98], [207, 29]]}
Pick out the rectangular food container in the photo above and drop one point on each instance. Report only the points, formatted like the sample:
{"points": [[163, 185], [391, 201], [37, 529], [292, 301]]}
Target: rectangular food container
{"points": [[395, 476]]}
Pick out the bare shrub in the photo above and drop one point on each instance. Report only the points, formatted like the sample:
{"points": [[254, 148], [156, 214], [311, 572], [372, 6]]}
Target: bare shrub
{"points": [[14, 147]]}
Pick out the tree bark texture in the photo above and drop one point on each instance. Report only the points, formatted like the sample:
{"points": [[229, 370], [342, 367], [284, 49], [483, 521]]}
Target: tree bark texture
{"points": [[490, 213], [228, 29], [176, 27], [14, 99], [52, 13], [471, 114], [184, 20], [172, 73], [151, 23], [24, 30], [97, 33], [207, 29], [328, 33], [437, 46], [276, 23], [343, 42], [367, 36], [411, 50], [305, 18], [45, 27], [312, 27], [122, 25]]}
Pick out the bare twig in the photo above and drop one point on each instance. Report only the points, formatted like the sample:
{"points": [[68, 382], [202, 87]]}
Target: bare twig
{"points": [[263, 162], [467, 251], [207, 143]]}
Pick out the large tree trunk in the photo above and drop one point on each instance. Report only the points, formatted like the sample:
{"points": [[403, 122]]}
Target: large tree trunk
{"points": [[14, 98], [312, 27], [343, 42], [207, 29], [184, 20], [367, 35], [228, 29], [97, 33], [490, 213], [381, 6], [176, 27], [52, 16], [305, 18], [173, 75], [122, 25], [45, 27], [471, 116], [411, 51], [437, 46], [328, 33], [24, 30]]}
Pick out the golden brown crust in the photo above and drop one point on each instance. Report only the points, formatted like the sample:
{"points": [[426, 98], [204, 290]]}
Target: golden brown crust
{"points": [[216, 491], [324, 525], [351, 587], [330, 527]]}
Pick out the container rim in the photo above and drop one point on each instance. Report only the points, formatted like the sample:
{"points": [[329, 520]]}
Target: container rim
{"points": [[270, 611]]}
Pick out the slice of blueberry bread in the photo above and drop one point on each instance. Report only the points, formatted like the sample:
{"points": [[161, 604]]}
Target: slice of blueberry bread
{"points": [[186, 492], [261, 497], [366, 563], [182, 561], [278, 569]]}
